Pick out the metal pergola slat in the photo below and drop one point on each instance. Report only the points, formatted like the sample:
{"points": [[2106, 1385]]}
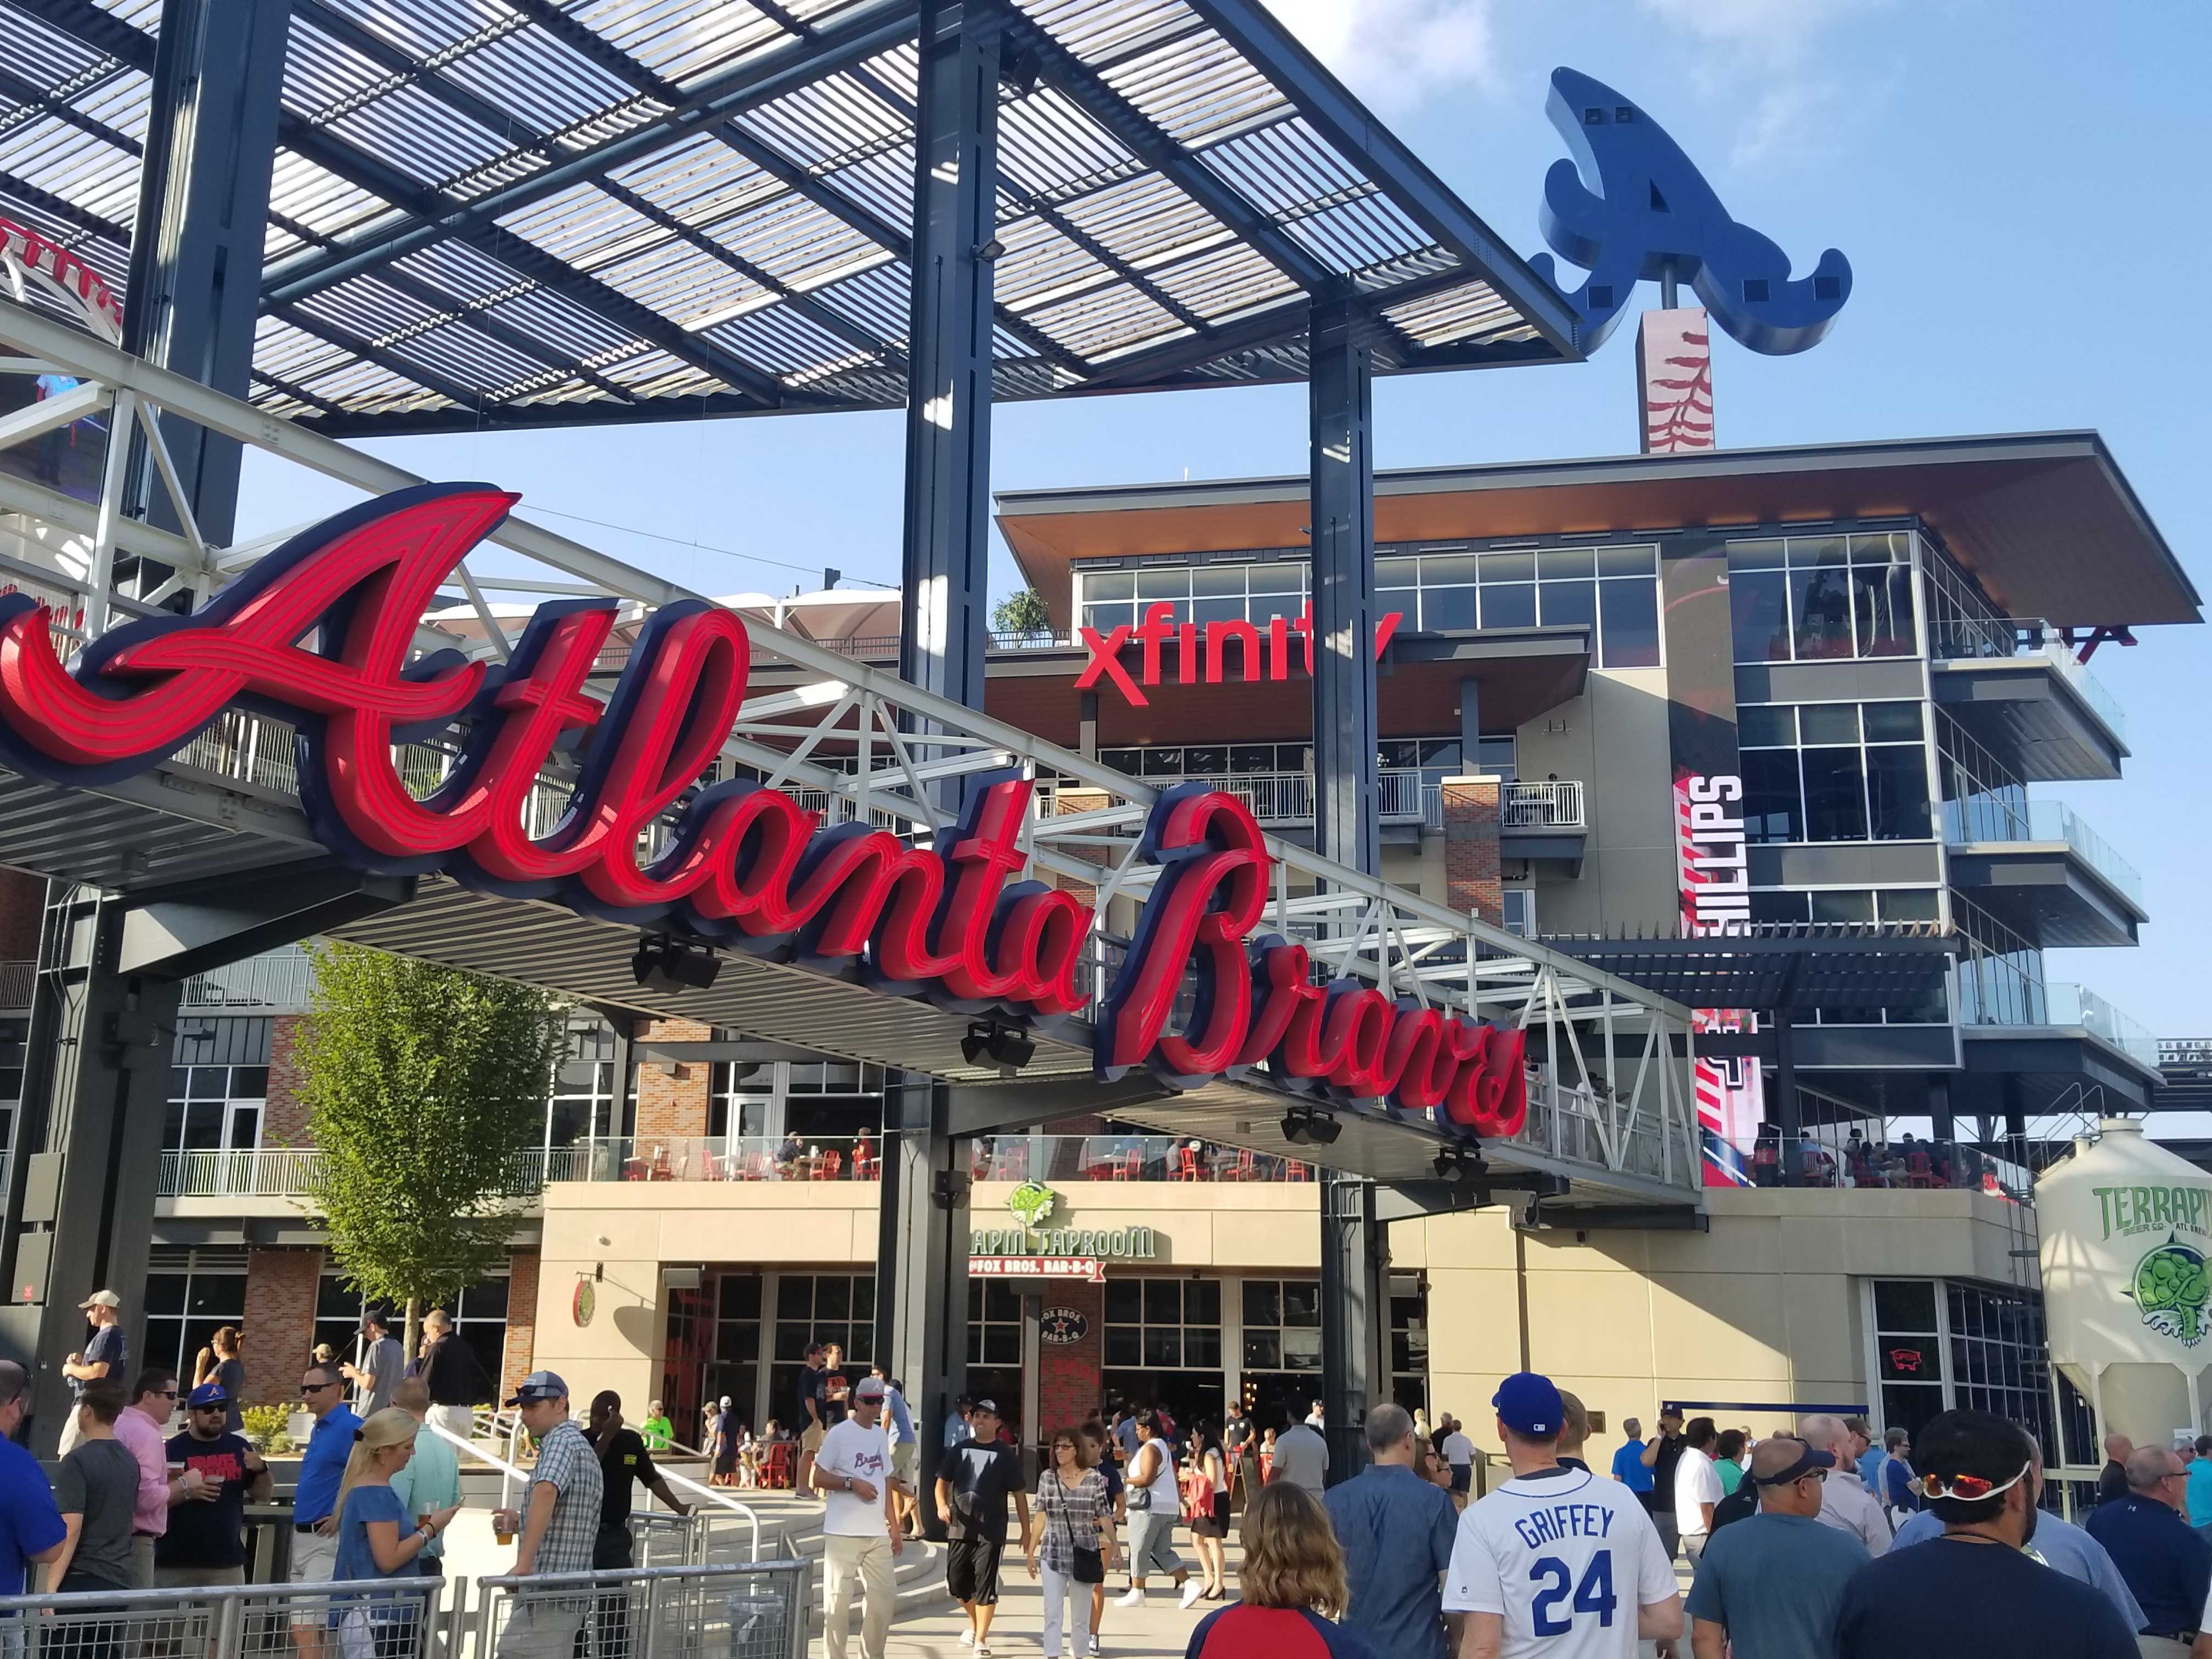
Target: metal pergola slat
{"points": [[501, 214]]}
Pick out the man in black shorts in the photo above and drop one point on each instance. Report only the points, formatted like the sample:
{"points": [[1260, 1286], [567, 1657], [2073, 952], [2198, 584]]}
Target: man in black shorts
{"points": [[973, 1482]]}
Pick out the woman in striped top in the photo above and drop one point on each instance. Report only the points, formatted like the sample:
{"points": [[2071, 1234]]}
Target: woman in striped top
{"points": [[1073, 1515]]}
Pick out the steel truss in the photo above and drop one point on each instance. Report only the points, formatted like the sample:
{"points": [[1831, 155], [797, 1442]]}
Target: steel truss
{"points": [[1608, 1096]]}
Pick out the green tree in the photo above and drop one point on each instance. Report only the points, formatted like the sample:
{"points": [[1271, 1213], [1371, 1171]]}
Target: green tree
{"points": [[1021, 613], [422, 1085]]}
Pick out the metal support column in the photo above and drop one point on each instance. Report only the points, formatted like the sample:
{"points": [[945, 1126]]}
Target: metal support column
{"points": [[1355, 1317], [195, 277], [81, 1187], [948, 414], [1355, 1248], [2014, 1095], [1787, 1121], [1343, 530], [1940, 1125], [921, 1259], [1470, 727]]}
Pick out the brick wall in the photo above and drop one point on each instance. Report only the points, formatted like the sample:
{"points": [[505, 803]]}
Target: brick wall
{"points": [[279, 1325], [1069, 1379], [672, 1107], [1472, 871], [522, 1320], [284, 1120], [21, 899]]}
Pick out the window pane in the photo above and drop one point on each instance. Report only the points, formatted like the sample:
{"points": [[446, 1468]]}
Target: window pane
{"points": [[1001, 1301], [1892, 722], [1125, 1301], [1903, 1304], [1835, 795], [1172, 584], [164, 1293], [1261, 609], [1263, 1350], [1445, 608], [1885, 548], [1562, 562], [794, 1296], [1778, 906], [1164, 1347], [1897, 789], [1828, 722], [1002, 1345], [1753, 555], [1821, 601], [833, 1297], [1302, 1351], [1766, 725], [1912, 904], [1513, 605], [1568, 604], [249, 1082], [1163, 1302], [1302, 1302], [1508, 567], [1821, 552], [1631, 623], [1124, 1345], [1773, 806], [1206, 611], [1105, 619], [1627, 560], [1263, 1304], [1882, 597], [1845, 904], [1201, 1348], [1450, 570], [1397, 573], [1108, 584], [1201, 1301], [1216, 581], [1283, 576], [1758, 615]]}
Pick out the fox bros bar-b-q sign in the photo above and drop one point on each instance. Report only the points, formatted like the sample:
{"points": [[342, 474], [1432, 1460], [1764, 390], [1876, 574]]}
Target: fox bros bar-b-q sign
{"points": [[746, 868]]}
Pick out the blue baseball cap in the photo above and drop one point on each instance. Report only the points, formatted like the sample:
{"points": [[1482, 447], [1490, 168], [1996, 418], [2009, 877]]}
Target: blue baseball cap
{"points": [[1528, 1404], [209, 1393]]}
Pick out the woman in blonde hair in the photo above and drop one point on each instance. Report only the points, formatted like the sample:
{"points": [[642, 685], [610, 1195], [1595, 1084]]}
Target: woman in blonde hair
{"points": [[1293, 1582], [378, 1539]]}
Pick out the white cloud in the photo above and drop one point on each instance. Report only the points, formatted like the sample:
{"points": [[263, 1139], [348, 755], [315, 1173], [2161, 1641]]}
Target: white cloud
{"points": [[1775, 31], [1396, 53], [1761, 61]]}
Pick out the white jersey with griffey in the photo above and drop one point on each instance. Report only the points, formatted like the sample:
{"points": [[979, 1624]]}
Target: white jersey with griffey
{"points": [[1566, 1558]]}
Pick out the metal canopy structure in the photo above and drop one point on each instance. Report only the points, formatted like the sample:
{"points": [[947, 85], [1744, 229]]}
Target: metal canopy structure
{"points": [[1799, 966], [503, 213]]}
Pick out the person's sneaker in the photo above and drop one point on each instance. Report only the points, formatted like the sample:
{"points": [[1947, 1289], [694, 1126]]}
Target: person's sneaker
{"points": [[1133, 1597], [968, 1638], [982, 1652], [1192, 1590]]}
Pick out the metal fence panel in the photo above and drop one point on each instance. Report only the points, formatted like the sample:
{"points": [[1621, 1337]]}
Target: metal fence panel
{"points": [[755, 1610]]}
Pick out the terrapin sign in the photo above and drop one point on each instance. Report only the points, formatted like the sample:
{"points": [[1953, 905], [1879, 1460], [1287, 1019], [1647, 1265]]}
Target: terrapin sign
{"points": [[318, 632]]}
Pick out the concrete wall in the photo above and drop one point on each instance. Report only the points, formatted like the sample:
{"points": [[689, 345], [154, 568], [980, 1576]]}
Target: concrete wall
{"points": [[1615, 741], [1763, 1307]]}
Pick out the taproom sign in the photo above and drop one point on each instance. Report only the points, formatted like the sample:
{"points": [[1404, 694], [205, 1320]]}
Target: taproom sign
{"points": [[320, 633]]}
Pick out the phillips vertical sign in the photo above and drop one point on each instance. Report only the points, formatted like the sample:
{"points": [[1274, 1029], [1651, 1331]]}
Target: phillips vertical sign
{"points": [[1710, 843]]}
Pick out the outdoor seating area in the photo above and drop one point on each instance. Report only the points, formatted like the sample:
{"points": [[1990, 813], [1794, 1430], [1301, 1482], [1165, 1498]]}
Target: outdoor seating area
{"points": [[1114, 1158]]}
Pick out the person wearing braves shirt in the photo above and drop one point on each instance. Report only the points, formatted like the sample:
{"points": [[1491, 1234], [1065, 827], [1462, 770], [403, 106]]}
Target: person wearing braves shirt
{"points": [[860, 1528], [1556, 1563], [205, 1543]]}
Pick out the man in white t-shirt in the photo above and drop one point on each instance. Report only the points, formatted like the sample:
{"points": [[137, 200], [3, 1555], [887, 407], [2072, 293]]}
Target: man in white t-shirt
{"points": [[860, 1528], [1556, 1563], [1698, 1490], [1459, 1453]]}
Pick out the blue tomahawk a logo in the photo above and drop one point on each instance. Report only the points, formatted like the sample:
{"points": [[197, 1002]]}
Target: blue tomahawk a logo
{"points": [[1657, 212]]}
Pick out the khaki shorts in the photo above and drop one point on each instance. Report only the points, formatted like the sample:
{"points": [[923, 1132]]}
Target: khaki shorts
{"points": [[542, 1630], [314, 1561], [811, 1442], [903, 1462]]}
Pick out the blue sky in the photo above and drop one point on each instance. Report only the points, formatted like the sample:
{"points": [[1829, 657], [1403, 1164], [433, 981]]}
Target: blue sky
{"points": [[2018, 184]]}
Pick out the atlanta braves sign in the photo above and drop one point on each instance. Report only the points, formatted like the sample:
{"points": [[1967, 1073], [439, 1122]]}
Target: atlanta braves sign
{"points": [[319, 634]]}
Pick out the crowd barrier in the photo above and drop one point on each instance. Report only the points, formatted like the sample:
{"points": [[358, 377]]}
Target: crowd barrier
{"points": [[724, 1610]]}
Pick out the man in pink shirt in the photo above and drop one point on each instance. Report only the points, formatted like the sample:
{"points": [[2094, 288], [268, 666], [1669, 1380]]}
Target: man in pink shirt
{"points": [[142, 1428]]}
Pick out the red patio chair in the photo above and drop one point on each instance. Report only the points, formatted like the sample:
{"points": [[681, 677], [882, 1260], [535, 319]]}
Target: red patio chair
{"points": [[1132, 1166], [1246, 1168], [758, 1167], [866, 1164], [829, 1163], [777, 1473], [1187, 1163]]}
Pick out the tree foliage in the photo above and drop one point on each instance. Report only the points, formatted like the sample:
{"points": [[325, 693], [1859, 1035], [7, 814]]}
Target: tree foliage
{"points": [[1021, 613], [422, 1085]]}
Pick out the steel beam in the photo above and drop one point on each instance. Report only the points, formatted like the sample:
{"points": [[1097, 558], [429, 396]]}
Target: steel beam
{"points": [[195, 282], [945, 569], [1355, 1317], [1341, 518], [921, 1258]]}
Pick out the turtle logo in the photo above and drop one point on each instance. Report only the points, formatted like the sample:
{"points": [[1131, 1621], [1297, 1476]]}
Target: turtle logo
{"points": [[1032, 1201], [2172, 1288]]}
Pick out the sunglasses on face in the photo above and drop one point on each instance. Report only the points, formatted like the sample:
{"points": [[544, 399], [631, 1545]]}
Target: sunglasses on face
{"points": [[1969, 1488], [315, 1388]]}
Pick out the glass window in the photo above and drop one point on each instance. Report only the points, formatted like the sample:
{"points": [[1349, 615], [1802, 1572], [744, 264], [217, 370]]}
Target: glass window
{"points": [[1628, 622], [1562, 563], [1759, 612], [1820, 607], [1217, 581], [1754, 555], [1843, 904], [1912, 904], [1507, 567], [1827, 722], [1397, 573], [1108, 584], [1835, 794], [189, 1297], [1773, 799], [1892, 722], [1766, 725], [1448, 609], [1881, 603], [1896, 793], [1508, 605], [1567, 604]]}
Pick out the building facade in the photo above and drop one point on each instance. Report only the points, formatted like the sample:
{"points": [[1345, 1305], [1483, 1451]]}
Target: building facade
{"points": [[1738, 694]]}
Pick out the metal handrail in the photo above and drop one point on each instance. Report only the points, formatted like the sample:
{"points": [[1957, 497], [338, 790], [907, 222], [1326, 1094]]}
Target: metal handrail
{"points": [[1540, 804], [289, 1172]]}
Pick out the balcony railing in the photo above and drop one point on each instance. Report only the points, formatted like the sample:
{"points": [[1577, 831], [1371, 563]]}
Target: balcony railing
{"points": [[289, 1172], [2001, 816], [2010, 990], [1553, 804], [992, 1158], [282, 979], [1287, 798], [2077, 1005], [1959, 632]]}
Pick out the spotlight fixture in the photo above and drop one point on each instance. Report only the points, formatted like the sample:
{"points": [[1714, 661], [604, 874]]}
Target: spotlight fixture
{"points": [[1008, 1047], [663, 963], [1304, 1127]]}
